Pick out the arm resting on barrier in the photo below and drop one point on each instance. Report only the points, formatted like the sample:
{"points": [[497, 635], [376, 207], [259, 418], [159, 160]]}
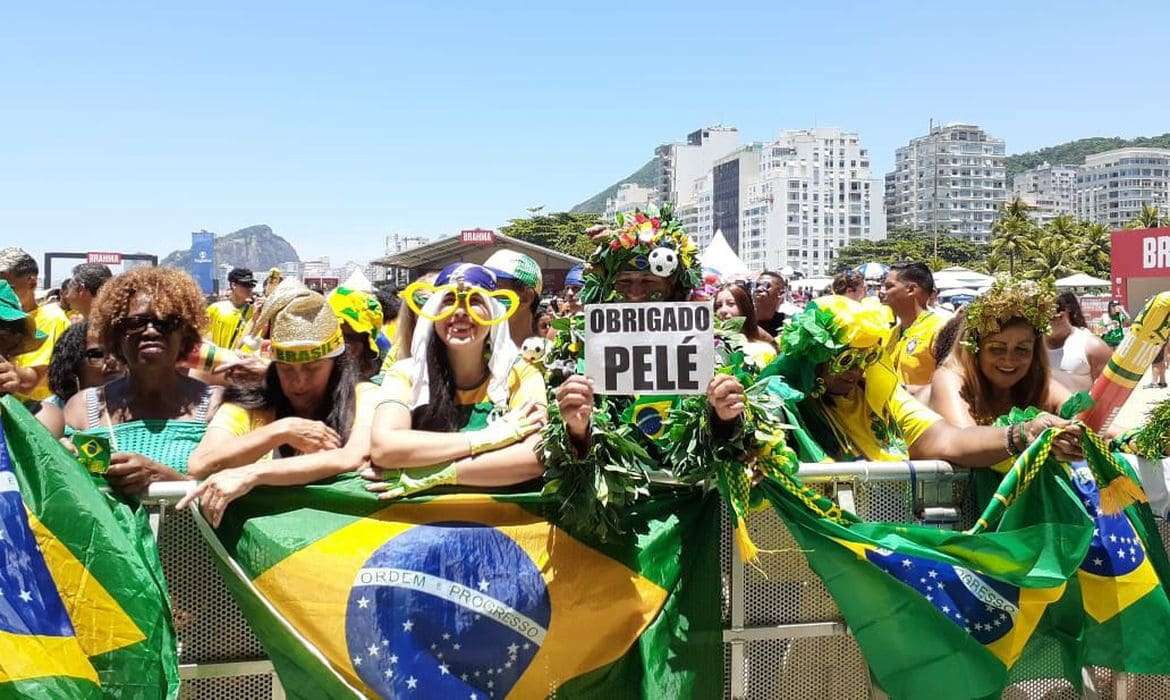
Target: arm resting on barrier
{"points": [[509, 465], [395, 444], [222, 449]]}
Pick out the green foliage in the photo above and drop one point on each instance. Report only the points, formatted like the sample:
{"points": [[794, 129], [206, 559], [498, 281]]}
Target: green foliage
{"points": [[1014, 235], [563, 232], [908, 244], [1074, 152], [1149, 217], [646, 176], [1063, 246]]}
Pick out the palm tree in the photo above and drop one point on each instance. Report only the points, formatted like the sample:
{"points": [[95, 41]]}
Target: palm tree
{"points": [[1149, 217], [1094, 249], [1013, 235], [1049, 260], [1063, 228]]}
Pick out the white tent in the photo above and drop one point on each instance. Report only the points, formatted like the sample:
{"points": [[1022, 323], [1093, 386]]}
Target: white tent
{"points": [[1080, 279], [722, 259], [815, 284], [958, 277], [358, 281], [958, 292]]}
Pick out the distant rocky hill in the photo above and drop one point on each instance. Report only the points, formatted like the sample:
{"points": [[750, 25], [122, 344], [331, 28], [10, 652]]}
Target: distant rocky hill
{"points": [[646, 176], [254, 247]]}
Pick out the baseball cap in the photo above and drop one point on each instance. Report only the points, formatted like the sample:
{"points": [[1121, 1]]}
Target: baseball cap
{"points": [[242, 275], [11, 310], [576, 276], [510, 265]]}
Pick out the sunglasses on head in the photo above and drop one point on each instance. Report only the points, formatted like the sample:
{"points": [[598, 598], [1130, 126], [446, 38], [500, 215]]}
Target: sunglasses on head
{"points": [[132, 325]]}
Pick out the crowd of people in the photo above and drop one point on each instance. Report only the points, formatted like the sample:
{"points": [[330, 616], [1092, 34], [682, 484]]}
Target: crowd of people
{"points": [[283, 385]]}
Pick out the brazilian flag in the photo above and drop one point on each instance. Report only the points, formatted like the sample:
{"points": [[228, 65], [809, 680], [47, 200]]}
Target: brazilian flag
{"points": [[474, 595], [650, 414], [938, 613], [82, 612], [1115, 612]]}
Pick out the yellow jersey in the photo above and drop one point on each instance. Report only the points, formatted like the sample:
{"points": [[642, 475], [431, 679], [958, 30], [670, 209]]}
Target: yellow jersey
{"points": [[911, 351], [525, 383], [227, 324], [885, 437], [53, 322]]}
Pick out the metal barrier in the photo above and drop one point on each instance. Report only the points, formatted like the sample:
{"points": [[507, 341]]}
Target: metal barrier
{"points": [[783, 635]]}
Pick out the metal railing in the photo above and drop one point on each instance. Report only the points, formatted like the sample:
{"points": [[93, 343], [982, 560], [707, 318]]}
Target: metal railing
{"points": [[783, 635]]}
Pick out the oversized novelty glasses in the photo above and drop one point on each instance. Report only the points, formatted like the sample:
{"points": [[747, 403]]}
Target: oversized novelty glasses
{"points": [[458, 294], [855, 358]]}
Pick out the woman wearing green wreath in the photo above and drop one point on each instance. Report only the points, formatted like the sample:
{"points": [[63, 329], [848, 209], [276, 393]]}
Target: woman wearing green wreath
{"points": [[852, 405], [1001, 363]]}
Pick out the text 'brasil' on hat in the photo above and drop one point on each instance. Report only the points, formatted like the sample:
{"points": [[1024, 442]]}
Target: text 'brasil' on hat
{"points": [[305, 329], [510, 265]]}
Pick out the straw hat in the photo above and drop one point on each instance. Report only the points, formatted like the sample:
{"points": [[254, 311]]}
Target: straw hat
{"points": [[303, 327]]}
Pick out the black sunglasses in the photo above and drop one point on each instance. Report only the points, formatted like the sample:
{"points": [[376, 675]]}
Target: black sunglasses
{"points": [[133, 325]]}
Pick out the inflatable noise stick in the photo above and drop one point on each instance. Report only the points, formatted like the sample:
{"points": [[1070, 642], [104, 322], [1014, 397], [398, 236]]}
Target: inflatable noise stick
{"points": [[1129, 363], [208, 357]]}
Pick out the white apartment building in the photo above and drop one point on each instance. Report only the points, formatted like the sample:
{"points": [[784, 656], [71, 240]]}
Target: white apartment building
{"points": [[1051, 190], [814, 194], [1113, 186], [680, 164], [628, 198], [952, 181], [695, 216]]}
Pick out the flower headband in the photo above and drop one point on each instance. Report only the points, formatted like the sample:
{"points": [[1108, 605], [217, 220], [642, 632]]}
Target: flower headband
{"points": [[1009, 299], [650, 241]]}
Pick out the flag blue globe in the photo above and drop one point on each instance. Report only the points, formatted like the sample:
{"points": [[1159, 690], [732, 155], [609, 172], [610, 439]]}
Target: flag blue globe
{"points": [[453, 610]]}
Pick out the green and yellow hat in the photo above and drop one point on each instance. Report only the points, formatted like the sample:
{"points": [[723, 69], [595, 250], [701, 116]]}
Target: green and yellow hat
{"points": [[11, 310], [835, 330], [358, 310]]}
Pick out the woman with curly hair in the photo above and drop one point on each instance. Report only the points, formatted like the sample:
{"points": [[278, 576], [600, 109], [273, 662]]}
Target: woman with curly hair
{"points": [[147, 318]]}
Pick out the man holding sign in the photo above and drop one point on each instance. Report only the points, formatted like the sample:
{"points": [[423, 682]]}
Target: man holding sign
{"points": [[640, 365]]}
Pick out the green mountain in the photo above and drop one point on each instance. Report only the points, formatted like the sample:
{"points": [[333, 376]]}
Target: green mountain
{"points": [[1074, 152], [646, 176]]}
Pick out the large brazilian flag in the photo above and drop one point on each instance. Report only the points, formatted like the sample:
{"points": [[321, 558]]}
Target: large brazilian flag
{"points": [[938, 613], [474, 596], [83, 609]]}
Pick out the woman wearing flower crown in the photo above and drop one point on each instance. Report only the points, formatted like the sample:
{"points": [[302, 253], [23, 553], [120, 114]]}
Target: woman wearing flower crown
{"points": [[1001, 362], [462, 378]]}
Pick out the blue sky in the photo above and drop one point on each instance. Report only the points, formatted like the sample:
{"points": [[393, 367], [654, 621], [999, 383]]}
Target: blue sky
{"points": [[128, 125]]}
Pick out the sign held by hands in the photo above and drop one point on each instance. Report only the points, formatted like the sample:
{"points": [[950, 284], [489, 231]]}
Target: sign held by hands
{"points": [[649, 349]]}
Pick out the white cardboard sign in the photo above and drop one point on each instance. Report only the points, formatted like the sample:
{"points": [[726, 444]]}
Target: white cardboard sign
{"points": [[650, 349]]}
